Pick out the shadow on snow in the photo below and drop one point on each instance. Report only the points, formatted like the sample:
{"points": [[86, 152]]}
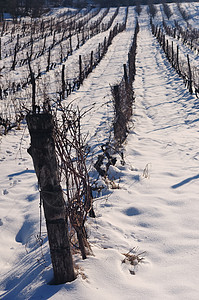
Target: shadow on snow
{"points": [[185, 181]]}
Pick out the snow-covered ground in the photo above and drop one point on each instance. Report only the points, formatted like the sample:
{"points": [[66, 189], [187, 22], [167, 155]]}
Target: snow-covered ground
{"points": [[155, 210]]}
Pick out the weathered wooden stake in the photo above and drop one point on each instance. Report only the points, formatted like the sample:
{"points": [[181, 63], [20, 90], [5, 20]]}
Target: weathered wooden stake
{"points": [[105, 45], [126, 79], [63, 82], [48, 62], [44, 45], [190, 75], [31, 48], [167, 49], [15, 56], [120, 128], [91, 61], [177, 59], [54, 40], [42, 151], [32, 78], [172, 54], [83, 38], [3, 28], [128, 105], [80, 69], [77, 41], [70, 43], [99, 52], [163, 41]]}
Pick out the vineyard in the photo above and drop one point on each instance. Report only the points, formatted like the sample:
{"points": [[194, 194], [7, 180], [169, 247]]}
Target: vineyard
{"points": [[99, 141]]}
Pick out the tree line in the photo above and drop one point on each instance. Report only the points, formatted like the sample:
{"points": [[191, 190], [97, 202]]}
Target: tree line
{"points": [[17, 8], [34, 8]]}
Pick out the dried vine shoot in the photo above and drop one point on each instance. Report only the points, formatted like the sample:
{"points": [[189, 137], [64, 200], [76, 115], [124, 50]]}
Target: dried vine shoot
{"points": [[72, 153]]}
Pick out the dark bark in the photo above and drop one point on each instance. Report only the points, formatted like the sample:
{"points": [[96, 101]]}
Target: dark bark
{"points": [[120, 128], [177, 60], [190, 76], [63, 82], [91, 61], [33, 82], [80, 70], [99, 52], [48, 62], [172, 54], [14, 58], [42, 151], [70, 43], [44, 45], [81, 238]]}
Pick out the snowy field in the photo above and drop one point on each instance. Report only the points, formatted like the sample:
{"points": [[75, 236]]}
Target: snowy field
{"points": [[154, 213]]}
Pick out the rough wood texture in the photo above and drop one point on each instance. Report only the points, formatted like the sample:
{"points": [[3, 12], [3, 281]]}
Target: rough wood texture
{"points": [[42, 151], [120, 128]]}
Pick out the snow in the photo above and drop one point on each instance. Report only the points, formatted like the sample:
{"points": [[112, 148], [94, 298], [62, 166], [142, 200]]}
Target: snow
{"points": [[155, 210]]}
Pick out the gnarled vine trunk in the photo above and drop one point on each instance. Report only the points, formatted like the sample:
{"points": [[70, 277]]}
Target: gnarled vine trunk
{"points": [[42, 151]]}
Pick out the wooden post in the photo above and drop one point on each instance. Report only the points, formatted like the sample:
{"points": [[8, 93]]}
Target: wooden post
{"points": [[126, 78], [117, 99], [44, 45], [31, 48], [18, 39], [15, 55], [174, 33], [80, 69], [77, 41], [159, 35], [63, 81], [128, 105], [54, 40], [120, 128], [48, 62], [91, 61], [83, 38], [33, 90], [163, 41], [105, 47], [99, 52], [42, 27], [167, 49], [61, 53], [172, 55], [42, 151], [190, 75], [156, 29], [3, 27], [177, 59], [130, 67], [63, 33], [32, 78], [70, 43], [51, 26]]}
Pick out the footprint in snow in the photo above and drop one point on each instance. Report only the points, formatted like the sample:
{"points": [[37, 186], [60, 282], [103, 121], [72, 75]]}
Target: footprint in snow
{"points": [[9, 152], [1, 223], [32, 197], [132, 211], [5, 192]]}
